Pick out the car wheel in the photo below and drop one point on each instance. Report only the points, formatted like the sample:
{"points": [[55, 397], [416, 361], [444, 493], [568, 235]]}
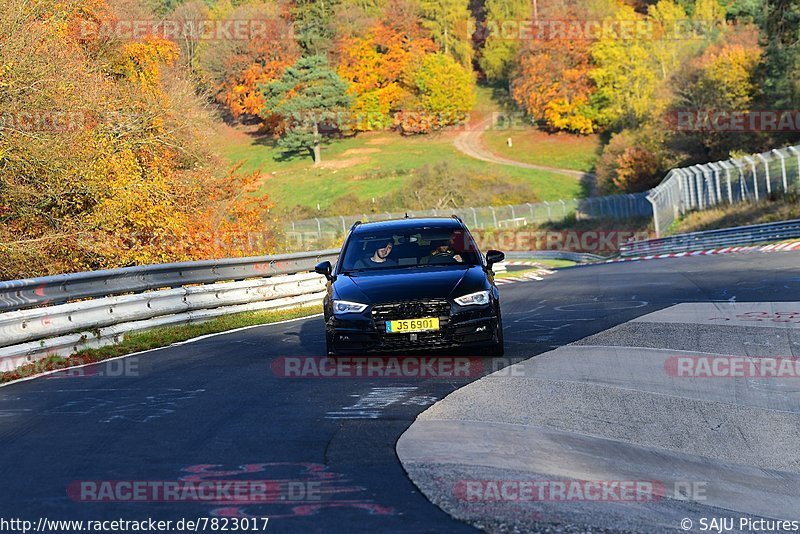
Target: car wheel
{"points": [[498, 349], [329, 350]]}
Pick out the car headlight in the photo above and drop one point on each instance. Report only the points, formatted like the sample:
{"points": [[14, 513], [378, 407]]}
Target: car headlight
{"points": [[481, 297], [343, 306]]}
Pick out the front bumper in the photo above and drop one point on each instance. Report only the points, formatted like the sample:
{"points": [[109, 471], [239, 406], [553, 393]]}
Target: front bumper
{"points": [[459, 327]]}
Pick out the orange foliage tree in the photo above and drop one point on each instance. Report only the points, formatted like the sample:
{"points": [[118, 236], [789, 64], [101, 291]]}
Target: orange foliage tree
{"points": [[552, 85], [131, 179], [378, 66]]}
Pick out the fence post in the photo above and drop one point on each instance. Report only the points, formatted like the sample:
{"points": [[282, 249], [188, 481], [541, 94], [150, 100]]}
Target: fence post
{"points": [[319, 228], [728, 181], [577, 209], [752, 163], [717, 167], [530, 207], [656, 222], [563, 208], [474, 217], [783, 169], [796, 152], [766, 170], [494, 216], [698, 186], [708, 189], [742, 190], [513, 213], [549, 217]]}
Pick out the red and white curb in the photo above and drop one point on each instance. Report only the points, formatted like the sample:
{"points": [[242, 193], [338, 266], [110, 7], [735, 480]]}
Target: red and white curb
{"points": [[528, 263], [526, 277], [781, 247]]}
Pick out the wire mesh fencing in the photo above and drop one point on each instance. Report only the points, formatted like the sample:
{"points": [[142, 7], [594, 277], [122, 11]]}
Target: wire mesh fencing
{"points": [[699, 187], [744, 179], [314, 232]]}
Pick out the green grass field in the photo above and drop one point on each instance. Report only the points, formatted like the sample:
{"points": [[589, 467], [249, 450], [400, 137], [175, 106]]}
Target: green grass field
{"points": [[372, 165], [529, 145], [378, 165]]}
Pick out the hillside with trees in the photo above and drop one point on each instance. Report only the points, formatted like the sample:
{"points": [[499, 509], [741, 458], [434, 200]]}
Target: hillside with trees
{"points": [[108, 154]]}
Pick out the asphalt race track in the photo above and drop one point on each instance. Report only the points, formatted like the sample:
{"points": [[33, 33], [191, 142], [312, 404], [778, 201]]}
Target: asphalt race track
{"points": [[215, 409]]}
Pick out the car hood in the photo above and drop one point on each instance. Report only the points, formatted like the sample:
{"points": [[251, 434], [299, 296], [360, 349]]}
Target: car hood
{"points": [[411, 284]]}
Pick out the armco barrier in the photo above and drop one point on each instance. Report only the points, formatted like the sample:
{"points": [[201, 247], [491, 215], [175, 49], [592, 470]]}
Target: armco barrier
{"points": [[33, 292], [728, 237], [578, 257], [39, 323], [63, 314]]}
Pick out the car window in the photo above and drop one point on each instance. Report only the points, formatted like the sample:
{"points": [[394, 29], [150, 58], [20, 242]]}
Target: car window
{"points": [[410, 248]]}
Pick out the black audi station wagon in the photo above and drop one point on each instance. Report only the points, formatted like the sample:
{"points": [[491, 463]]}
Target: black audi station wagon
{"points": [[412, 284]]}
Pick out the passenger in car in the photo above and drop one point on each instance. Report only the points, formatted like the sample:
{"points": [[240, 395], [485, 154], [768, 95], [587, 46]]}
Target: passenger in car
{"points": [[379, 257]]}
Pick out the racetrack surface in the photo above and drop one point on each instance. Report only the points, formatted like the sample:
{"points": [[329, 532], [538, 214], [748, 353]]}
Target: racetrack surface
{"points": [[217, 409]]}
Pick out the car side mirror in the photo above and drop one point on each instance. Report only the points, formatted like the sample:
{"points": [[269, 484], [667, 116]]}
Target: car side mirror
{"points": [[325, 269], [494, 256]]}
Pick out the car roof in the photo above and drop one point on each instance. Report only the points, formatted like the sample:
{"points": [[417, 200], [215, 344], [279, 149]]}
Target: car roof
{"points": [[409, 223]]}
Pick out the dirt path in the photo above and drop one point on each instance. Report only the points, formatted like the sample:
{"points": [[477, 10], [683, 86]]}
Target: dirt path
{"points": [[471, 144]]}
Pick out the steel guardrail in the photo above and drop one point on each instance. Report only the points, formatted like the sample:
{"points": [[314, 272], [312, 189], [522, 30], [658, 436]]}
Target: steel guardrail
{"points": [[58, 289], [578, 257], [713, 239]]}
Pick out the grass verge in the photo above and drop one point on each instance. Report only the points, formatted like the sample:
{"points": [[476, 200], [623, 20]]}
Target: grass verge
{"points": [[156, 338], [533, 146], [766, 211]]}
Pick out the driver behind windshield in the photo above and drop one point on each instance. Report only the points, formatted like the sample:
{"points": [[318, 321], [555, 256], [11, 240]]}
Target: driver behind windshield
{"points": [[379, 256], [448, 250]]}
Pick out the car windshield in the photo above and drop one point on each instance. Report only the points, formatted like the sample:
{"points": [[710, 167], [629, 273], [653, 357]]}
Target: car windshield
{"points": [[410, 248]]}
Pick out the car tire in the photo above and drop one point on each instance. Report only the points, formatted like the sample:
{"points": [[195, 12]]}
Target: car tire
{"points": [[329, 350], [497, 350]]}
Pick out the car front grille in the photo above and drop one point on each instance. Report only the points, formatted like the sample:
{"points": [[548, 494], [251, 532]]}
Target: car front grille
{"points": [[415, 309]]}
